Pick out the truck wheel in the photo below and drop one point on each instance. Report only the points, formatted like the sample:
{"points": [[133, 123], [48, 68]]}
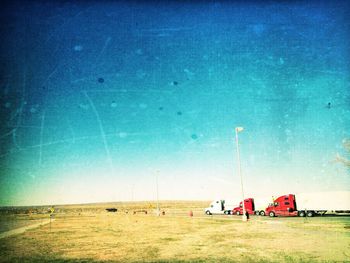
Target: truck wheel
{"points": [[238, 213], [272, 214], [310, 213], [208, 212], [257, 213], [262, 213], [229, 212], [301, 213]]}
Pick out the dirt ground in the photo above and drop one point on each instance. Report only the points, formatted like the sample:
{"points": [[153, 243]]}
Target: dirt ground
{"points": [[93, 235]]}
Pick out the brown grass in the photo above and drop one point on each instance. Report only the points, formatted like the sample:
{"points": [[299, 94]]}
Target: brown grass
{"points": [[176, 237]]}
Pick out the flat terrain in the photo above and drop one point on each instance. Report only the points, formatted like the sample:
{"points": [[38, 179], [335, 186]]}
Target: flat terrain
{"points": [[87, 233]]}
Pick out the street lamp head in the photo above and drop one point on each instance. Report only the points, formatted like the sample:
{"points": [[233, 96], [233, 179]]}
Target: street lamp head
{"points": [[239, 129]]}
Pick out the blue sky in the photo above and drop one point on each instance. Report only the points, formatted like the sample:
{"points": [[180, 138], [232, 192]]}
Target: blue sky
{"points": [[98, 96]]}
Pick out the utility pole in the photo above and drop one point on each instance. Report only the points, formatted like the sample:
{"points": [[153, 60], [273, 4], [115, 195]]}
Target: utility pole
{"points": [[239, 129]]}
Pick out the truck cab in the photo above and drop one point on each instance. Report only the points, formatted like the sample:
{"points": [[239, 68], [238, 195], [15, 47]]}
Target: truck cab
{"points": [[218, 207], [284, 205], [249, 207]]}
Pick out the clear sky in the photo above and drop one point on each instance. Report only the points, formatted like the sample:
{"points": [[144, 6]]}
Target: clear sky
{"points": [[96, 96]]}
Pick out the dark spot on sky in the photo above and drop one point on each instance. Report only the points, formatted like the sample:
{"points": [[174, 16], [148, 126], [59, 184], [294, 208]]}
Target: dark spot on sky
{"points": [[113, 104], [160, 108], [194, 136], [329, 105], [175, 83], [179, 113], [101, 80]]}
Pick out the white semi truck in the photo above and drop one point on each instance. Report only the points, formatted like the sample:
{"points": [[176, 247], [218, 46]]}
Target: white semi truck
{"points": [[220, 207]]}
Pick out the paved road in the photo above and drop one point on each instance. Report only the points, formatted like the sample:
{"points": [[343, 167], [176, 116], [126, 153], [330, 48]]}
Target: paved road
{"points": [[23, 229]]}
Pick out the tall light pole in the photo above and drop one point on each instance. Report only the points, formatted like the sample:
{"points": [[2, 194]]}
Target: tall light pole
{"points": [[239, 129]]}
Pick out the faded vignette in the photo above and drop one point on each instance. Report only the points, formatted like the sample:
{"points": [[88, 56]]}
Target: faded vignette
{"points": [[131, 131]]}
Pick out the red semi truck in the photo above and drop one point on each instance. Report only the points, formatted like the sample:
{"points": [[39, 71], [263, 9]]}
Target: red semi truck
{"points": [[285, 206], [248, 205], [309, 204]]}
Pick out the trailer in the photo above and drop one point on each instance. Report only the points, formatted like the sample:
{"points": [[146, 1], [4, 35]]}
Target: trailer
{"points": [[310, 204], [220, 207]]}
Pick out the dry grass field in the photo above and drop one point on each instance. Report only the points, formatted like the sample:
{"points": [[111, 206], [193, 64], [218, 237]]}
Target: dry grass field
{"points": [[87, 233]]}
